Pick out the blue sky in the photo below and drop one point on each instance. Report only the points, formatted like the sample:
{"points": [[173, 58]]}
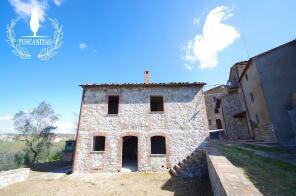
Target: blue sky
{"points": [[115, 41]]}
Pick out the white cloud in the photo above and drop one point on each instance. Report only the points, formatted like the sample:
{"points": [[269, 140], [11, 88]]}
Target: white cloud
{"points": [[196, 21], [7, 117], [82, 46], [188, 66], [25, 8], [215, 37], [57, 2]]}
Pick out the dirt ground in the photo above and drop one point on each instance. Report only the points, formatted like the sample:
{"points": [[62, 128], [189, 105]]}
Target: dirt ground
{"points": [[110, 184]]}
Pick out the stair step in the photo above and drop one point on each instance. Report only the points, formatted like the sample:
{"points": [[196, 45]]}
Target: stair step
{"points": [[173, 172], [196, 157], [177, 168]]}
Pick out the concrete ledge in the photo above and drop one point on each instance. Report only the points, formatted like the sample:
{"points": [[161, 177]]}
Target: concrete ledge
{"points": [[226, 179], [13, 176]]}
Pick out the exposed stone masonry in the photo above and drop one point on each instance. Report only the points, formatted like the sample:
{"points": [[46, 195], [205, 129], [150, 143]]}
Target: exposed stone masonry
{"points": [[183, 123]]}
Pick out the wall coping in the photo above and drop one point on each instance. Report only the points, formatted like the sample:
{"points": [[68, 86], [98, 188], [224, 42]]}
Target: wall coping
{"points": [[13, 176], [226, 179]]}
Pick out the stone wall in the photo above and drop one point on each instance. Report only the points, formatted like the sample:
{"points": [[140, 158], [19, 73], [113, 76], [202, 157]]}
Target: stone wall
{"points": [[183, 124], [13, 176], [236, 128], [226, 179]]}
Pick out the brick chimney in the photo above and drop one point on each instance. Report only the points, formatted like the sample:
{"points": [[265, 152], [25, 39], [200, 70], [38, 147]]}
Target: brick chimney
{"points": [[146, 77]]}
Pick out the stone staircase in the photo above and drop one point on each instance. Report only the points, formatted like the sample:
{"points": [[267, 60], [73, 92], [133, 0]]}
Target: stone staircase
{"points": [[194, 165]]}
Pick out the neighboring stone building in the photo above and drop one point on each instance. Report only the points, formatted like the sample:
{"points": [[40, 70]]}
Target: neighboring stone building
{"points": [[215, 115], [232, 107], [261, 99], [269, 87], [145, 127]]}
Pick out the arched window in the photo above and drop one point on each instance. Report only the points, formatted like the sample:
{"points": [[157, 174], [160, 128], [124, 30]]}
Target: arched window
{"points": [[158, 145]]}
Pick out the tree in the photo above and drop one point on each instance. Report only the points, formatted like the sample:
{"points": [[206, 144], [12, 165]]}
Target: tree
{"points": [[36, 126]]}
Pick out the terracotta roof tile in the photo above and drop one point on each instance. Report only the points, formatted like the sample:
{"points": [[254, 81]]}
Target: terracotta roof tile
{"points": [[131, 85]]}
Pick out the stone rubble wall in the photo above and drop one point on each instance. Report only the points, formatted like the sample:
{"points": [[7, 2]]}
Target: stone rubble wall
{"points": [[236, 128], [13, 176], [183, 124], [158, 163]]}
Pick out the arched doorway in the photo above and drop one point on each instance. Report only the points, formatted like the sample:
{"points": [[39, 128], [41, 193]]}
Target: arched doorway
{"points": [[130, 153]]}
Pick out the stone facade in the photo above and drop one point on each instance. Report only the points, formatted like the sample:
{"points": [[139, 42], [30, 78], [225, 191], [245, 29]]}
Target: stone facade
{"points": [[183, 123], [215, 115], [236, 127], [233, 107]]}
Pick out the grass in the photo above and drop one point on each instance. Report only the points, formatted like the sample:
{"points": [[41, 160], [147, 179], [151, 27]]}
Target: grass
{"points": [[271, 177], [275, 149]]}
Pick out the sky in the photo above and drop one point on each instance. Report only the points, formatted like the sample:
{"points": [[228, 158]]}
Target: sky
{"points": [[108, 41]]}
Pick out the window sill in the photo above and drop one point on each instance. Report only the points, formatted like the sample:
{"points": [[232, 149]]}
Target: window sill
{"points": [[157, 155], [112, 115], [156, 112], [97, 152]]}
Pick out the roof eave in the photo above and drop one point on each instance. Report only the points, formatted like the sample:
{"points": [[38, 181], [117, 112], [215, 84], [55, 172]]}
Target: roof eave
{"points": [[134, 85]]}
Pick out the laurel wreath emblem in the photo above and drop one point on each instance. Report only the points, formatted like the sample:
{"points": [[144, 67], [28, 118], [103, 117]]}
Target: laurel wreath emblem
{"points": [[18, 50], [45, 53], [51, 50]]}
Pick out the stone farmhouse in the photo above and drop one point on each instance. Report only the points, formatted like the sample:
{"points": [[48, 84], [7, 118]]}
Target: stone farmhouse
{"points": [[261, 100], [139, 127]]}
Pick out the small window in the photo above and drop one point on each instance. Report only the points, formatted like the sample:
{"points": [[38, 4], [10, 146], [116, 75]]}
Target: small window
{"points": [[69, 147], [99, 143], [252, 97], [257, 118], [156, 103], [216, 111], [214, 99], [158, 145], [219, 124], [210, 122], [113, 102], [246, 76]]}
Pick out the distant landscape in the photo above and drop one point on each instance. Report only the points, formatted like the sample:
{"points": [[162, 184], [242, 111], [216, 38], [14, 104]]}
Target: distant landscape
{"points": [[14, 154]]}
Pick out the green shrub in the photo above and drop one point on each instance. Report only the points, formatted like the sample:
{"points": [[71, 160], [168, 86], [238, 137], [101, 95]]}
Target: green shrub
{"points": [[12, 160]]}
